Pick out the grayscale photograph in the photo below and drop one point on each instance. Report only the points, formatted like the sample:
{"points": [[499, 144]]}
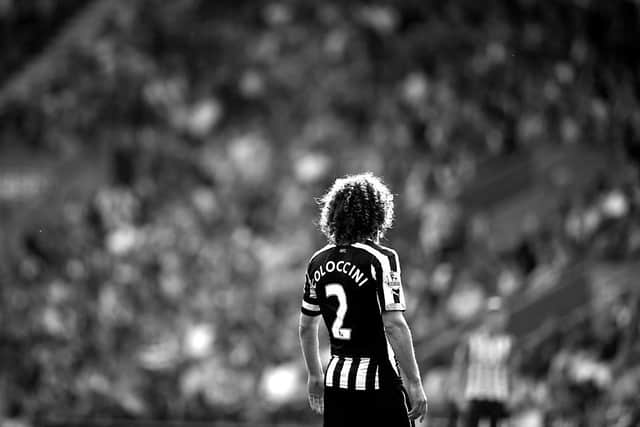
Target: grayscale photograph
{"points": [[306, 213]]}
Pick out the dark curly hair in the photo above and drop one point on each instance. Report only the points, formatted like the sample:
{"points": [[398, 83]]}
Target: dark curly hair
{"points": [[356, 208]]}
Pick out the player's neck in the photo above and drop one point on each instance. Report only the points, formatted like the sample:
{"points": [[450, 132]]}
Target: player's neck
{"points": [[375, 240]]}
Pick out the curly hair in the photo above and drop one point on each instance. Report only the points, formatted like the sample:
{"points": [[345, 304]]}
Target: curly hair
{"points": [[356, 208]]}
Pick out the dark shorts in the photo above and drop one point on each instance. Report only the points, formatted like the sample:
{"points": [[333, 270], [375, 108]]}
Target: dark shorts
{"points": [[366, 408], [490, 410]]}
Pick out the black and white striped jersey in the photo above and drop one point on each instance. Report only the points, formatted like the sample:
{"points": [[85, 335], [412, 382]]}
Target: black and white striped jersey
{"points": [[351, 286], [488, 366]]}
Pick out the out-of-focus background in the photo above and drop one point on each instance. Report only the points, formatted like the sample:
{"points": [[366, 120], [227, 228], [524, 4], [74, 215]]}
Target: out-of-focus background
{"points": [[159, 162]]}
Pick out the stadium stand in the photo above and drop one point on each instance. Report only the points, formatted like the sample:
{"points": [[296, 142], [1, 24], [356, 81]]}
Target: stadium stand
{"points": [[158, 169]]}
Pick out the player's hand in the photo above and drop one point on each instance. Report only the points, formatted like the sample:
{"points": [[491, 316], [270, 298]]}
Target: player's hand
{"points": [[418, 401], [315, 389]]}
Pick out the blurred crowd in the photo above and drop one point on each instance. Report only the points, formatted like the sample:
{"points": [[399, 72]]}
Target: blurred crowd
{"points": [[27, 27], [168, 286]]}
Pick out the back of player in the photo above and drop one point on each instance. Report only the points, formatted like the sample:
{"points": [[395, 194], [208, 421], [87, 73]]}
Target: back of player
{"points": [[351, 286], [354, 283]]}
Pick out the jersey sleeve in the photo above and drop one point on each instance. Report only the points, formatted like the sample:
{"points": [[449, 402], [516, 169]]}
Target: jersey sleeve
{"points": [[310, 305], [390, 286]]}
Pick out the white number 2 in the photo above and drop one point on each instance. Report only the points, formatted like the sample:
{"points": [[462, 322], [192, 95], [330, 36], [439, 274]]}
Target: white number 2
{"points": [[337, 330]]}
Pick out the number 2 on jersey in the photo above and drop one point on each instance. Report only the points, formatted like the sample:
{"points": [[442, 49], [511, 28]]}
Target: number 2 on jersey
{"points": [[338, 332]]}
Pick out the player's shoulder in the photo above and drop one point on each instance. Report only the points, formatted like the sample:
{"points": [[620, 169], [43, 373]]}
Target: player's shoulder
{"points": [[385, 255], [389, 253]]}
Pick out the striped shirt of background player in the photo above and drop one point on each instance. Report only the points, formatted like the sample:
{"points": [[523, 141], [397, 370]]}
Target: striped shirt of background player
{"points": [[488, 371], [361, 373]]}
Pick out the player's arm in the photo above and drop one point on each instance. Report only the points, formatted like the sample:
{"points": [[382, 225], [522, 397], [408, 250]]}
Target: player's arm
{"points": [[308, 333], [399, 336], [515, 356], [459, 368], [393, 304], [513, 365]]}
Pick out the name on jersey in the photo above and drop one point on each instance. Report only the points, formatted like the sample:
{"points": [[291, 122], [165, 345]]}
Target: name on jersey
{"points": [[344, 267]]}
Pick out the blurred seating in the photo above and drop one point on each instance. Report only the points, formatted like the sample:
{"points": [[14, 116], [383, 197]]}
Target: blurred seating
{"points": [[208, 129]]}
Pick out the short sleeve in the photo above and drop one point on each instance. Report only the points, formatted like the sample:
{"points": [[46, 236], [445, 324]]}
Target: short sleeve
{"points": [[310, 305], [391, 284]]}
